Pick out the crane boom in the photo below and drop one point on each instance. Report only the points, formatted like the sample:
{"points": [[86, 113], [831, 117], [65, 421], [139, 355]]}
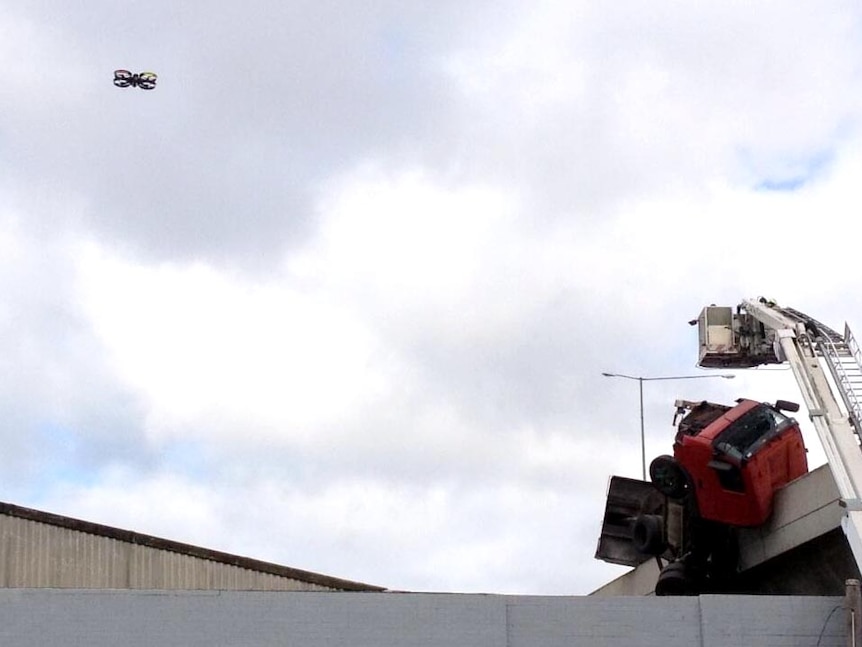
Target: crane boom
{"points": [[759, 332]]}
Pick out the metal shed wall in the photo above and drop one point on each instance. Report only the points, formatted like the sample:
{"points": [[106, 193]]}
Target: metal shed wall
{"points": [[35, 554]]}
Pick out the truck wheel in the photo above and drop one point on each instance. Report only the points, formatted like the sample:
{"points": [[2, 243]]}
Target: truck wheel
{"points": [[674, 580], [648, 534], [668, 476]]}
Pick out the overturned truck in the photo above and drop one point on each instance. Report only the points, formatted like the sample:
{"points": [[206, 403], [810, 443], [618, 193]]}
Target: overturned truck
{"points": [[727, 463]]}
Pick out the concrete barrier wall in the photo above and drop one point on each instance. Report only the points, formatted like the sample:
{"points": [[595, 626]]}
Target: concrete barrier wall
{"points": [[96, 618]]}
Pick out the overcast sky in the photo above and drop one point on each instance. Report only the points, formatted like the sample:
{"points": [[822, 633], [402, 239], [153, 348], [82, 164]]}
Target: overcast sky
{"points": [[339, 292]]}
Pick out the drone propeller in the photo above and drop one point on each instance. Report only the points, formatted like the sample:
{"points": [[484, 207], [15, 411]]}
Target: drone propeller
{"points": [[147, 80]]}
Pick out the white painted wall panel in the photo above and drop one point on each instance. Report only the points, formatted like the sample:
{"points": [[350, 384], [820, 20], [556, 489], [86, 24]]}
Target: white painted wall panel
{"points": [[37, 617]]}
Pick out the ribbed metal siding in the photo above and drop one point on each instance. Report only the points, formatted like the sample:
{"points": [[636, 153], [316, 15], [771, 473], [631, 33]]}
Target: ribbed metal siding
{"points": [[38, 555]]}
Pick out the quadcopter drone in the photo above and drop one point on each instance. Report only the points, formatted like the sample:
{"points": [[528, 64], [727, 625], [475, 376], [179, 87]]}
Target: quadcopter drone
{"points": [[144, 80]]}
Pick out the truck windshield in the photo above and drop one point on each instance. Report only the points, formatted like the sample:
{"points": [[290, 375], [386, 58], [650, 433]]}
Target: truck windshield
{"points": [[745, 436]]}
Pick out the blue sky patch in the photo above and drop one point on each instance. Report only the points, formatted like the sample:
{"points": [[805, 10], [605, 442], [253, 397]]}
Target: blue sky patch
{"points": [[787, 174], [790, 184]]}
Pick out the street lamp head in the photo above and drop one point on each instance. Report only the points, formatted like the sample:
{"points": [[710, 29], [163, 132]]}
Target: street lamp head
{"points": [[668, 377]]}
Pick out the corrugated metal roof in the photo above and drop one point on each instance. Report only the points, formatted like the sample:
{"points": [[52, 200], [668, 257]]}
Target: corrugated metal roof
{"points": [[43, 549]]}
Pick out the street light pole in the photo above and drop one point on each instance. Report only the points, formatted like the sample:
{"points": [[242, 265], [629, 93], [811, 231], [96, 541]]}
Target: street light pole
{"points": [[641, 381], [643, 434]]}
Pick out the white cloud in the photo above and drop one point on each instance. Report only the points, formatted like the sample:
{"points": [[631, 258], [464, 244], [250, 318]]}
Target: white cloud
{"points": [[211, 352]]}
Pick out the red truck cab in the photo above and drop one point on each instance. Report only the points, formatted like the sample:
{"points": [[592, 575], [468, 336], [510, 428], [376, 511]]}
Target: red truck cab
{"points": [[732, 459]]}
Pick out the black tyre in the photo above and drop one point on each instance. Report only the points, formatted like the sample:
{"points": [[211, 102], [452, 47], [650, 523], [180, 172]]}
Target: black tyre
{"points": [[669, 477], [675, 580], [648, 534]]}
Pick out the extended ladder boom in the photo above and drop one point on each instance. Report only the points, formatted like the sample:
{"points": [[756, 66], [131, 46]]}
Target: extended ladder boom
{"points": [[759, 332]]}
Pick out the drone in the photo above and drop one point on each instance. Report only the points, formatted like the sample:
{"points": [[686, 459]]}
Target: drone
{"points": [[143, 80]]}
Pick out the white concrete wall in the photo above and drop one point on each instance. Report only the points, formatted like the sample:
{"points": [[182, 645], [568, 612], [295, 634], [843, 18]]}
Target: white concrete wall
{"points": [[96, 618]]}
